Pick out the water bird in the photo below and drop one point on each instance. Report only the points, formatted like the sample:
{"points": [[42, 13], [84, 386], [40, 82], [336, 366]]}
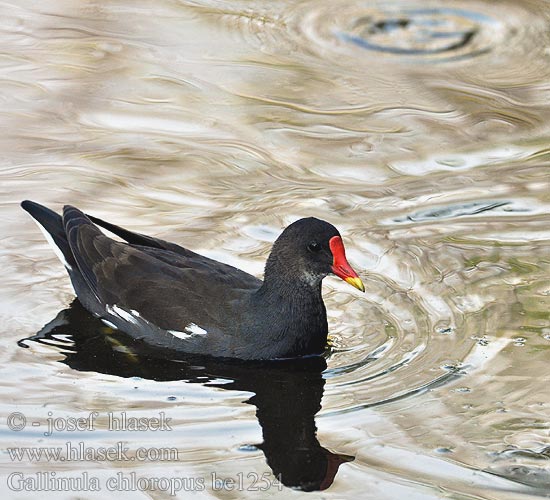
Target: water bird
{"points": [[168, 296]]}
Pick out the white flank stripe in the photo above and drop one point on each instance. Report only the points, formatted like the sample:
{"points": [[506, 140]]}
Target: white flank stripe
{"points": [[109, 324], [194, 329], [190, 330], [130, 316], [179, 335]]}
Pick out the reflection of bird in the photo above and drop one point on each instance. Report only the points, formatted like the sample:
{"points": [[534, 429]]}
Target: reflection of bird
{"points": [[287, 393], [168, 296], [289, 432]]}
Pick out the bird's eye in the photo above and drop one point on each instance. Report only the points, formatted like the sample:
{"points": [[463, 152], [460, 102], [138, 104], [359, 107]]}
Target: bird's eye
{"points": [[314, 247]]}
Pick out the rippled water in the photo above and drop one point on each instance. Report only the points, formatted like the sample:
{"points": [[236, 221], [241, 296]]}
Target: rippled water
{"points": [[421, 130]]}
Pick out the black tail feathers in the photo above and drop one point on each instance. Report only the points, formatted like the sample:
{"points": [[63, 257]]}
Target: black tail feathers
{"points": [[52, 223]]}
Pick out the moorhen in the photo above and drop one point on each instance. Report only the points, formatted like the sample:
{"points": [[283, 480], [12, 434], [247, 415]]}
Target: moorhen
{"points": [[170, 297]]}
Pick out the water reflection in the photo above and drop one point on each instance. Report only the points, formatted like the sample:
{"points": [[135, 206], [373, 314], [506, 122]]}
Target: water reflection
{"points": [[287, 394]]}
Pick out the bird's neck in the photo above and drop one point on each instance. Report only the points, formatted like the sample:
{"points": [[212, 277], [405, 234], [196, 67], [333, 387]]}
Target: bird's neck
{"points": [[293, 312], [283, 284]]}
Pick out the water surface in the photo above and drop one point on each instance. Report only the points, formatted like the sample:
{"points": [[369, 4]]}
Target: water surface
{"points": [[421, 130]]}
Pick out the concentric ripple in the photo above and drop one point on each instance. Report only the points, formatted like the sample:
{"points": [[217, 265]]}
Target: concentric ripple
{"points": [[409, 333], [431, 32], [421, 32]]}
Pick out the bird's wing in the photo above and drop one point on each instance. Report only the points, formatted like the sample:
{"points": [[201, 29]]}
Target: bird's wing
{"points": [[166, 288], [191, 259]]}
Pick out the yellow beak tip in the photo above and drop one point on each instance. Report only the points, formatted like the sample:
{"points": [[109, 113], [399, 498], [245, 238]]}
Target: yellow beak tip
{"points": [[356, 282]]}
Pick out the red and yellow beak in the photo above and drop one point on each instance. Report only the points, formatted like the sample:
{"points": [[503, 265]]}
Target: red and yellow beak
{"points": [[340, 265]]}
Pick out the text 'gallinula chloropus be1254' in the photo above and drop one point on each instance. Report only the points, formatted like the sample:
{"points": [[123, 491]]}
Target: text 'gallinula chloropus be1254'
{"points": [[170, 297]]}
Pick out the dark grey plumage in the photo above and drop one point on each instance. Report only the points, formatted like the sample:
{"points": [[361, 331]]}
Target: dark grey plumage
{"points": [[169, 296]]}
